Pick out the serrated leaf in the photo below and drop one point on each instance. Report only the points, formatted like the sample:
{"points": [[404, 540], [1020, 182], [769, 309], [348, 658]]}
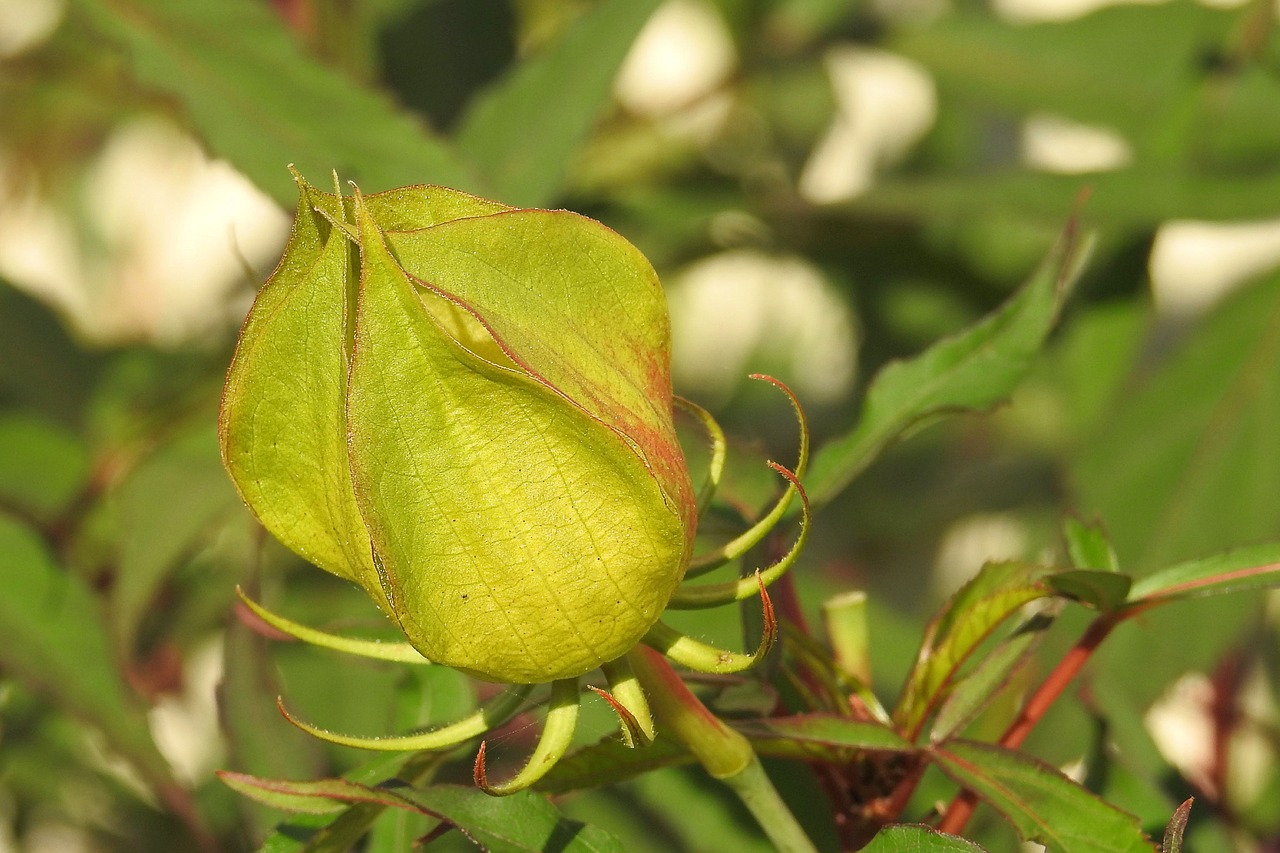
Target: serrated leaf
{"points": [[971, 371], [918, 839], [968, 618], [522, 133], [259, 101], [55, 643], [1088, 545], [975, 690], [1253, 568], [1105, 590], [520, 823], [1040, 802]]}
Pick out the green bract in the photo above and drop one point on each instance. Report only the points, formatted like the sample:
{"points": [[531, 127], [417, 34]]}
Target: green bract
{"points": [[467, 410]]}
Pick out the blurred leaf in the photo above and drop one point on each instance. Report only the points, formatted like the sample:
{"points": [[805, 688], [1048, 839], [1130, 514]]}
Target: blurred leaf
{"points": [[1100, 590], [259, 101], [521, 822], [610, 761], [973, 370], [997, 592], [1041, 803], [523, 133], [40, 365], [1138, 197], [166, 505], [1088, 545], [976, 689], [918, 839], [1253, 568], [1127, 67], [1188, 463], [42, 465], [56, 643]]}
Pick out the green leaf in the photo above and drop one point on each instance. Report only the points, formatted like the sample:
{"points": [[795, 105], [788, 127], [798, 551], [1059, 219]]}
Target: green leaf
{"points": [[56, 643], [164, 508], [918, 839], [976, 689], [822, 737], [971, 371], [1188, 464], [42, 465], [522, 134], [1138, 198], [1100, 590], [518, 823], [517, 595], [610, 761], [1131, 68], [261, 102], [1253, 568], [997, 592], [1088, 545], [1041, 803]]}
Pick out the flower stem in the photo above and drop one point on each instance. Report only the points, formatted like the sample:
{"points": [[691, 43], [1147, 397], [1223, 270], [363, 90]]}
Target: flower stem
{"points": [[723, 752]]}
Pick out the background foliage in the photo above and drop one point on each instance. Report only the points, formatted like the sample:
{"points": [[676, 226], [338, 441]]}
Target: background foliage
{"points": [[1154, 405]]}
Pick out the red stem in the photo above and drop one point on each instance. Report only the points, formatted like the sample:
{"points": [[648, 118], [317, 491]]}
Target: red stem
{"points": [[961, 808]]}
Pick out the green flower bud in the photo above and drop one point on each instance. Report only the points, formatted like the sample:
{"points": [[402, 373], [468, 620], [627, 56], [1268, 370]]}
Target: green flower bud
{"points": [[466, 409]]}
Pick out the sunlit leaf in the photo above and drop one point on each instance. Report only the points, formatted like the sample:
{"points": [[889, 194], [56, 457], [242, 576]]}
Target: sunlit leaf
{"points": [[976, 689], [997, 592], [1041, 803], [1253, 568], [971, 371]]}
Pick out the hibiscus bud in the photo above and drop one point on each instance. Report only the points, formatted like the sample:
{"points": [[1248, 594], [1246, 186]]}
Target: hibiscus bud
{"points": [[466, 409]]}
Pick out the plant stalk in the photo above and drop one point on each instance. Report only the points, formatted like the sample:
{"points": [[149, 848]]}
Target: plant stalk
{"points": [[723, 752]]}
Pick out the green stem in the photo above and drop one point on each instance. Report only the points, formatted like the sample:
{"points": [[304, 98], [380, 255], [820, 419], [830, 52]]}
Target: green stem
{"points": [[723, 752]]}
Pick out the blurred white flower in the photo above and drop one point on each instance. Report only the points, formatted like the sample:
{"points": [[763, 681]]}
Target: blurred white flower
{"points": [[744, 309], [1052, 143], [884, 104], [152, 251], [24, 24], [1194, 264], [684, 53]]}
